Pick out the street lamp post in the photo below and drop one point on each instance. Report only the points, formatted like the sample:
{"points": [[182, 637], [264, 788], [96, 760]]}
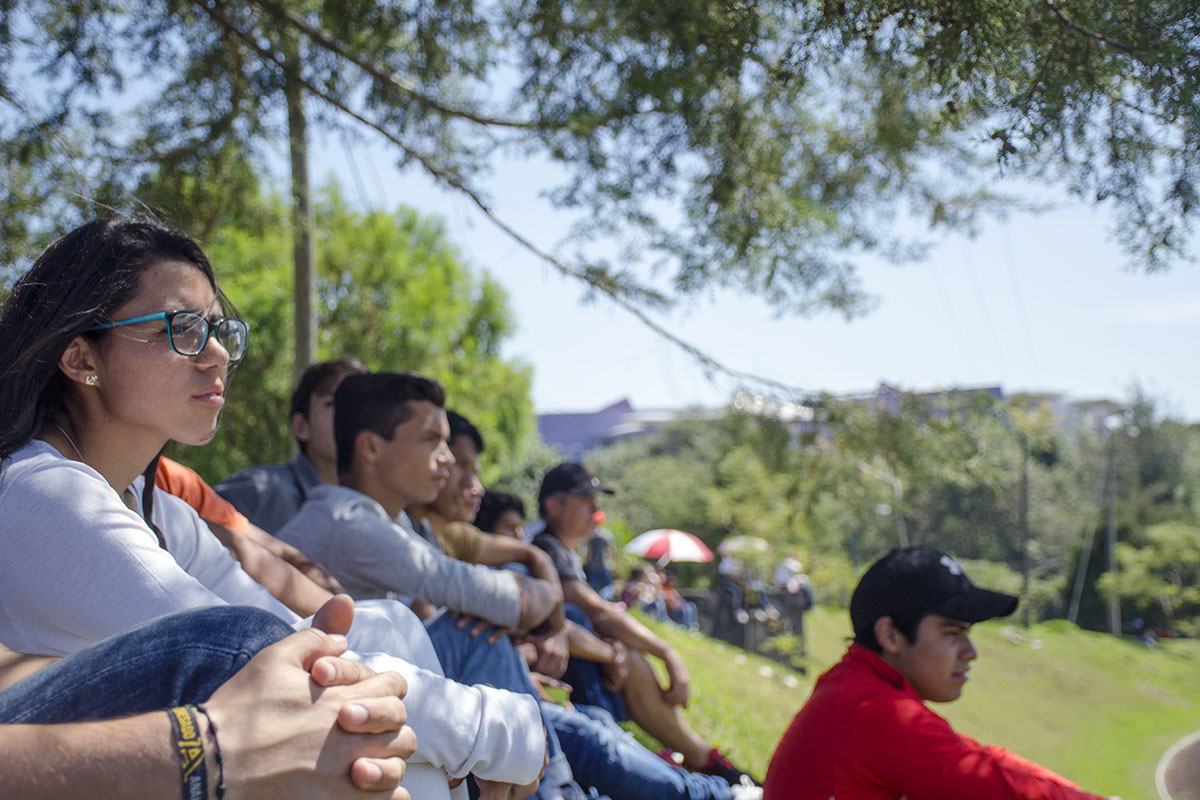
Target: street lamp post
{"points": [[1114, 423]]}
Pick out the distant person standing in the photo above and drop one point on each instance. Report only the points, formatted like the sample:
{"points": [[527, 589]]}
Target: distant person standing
{"points": [[792, 593], [600, 556], [731, 572]]}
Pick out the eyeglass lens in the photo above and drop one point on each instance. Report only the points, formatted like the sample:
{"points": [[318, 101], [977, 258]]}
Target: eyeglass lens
{"points": [[190, 332]]}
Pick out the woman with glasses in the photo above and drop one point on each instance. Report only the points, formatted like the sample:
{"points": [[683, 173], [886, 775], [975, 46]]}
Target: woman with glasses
{"points": [[111, 345], [115, 342]]}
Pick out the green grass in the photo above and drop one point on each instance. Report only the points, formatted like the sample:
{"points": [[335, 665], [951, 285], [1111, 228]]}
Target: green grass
{"points": [[1099, 710]]}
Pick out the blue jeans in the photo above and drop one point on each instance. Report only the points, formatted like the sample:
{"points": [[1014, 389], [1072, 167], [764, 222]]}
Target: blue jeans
{"points": [[685, 615], [472, 660], [181, 658], [606, 758], [585, 678]]}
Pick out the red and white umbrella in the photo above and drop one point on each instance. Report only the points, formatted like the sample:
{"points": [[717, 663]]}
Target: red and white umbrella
{"points": [[668, 544]]}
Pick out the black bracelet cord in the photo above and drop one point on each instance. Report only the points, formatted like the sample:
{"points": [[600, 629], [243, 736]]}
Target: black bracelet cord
{"points": [[212, 730]]}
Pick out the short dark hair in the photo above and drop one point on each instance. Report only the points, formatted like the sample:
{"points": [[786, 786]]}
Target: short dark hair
{"points": [[906, 622], [321, 379], [377, 402], [461, 426], [492, 507]]}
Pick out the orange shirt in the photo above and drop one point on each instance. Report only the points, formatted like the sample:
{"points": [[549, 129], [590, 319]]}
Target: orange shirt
{"points": [[186, 484]]}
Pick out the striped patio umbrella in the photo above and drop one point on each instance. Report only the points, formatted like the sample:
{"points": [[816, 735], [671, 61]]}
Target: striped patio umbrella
{"points": [[668, 544]]}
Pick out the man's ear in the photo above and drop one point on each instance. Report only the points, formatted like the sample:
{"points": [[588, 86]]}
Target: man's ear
{"points": [[367, 445], [79, 363], [890, 639], [300, 427]]}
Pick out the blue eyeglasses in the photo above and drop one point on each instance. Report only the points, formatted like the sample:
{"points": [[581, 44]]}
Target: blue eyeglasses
{"points": [[188, 331]]}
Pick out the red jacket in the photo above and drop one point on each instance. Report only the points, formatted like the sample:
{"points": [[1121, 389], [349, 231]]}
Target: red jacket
{"points": [[864, 734]]}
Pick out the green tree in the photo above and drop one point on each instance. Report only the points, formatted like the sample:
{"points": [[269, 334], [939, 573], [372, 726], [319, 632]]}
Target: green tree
{"points": [[395, 293], [1159, 575], [761, 146]]}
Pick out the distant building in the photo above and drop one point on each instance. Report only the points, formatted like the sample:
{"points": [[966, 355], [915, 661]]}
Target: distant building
{"points": [[575, 434]]}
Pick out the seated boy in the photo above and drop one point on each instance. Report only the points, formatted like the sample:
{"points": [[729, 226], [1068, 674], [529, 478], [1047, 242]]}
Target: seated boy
{"points": [[865, 733]]}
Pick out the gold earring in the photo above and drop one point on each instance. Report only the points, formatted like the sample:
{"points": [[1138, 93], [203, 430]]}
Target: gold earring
{"points": [[92, 380]]}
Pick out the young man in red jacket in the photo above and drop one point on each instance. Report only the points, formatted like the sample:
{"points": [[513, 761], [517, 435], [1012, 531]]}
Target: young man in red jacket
{"points": [[865, 733]]}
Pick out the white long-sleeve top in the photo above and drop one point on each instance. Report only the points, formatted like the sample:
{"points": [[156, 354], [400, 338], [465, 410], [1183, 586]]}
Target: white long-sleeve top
{"points": [[77, 566]]}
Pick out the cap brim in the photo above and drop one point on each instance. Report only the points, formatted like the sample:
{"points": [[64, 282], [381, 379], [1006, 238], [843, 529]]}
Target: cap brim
{"points": [[977, 605], [588, 488]]}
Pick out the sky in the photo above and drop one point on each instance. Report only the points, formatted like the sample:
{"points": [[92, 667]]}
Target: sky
{"points": [[1039, 302]]}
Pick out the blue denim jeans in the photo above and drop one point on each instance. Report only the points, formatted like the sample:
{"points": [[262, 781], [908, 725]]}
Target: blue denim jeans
{"points": [[471, 660], [585, 678], [181, 658], [605, 758]]}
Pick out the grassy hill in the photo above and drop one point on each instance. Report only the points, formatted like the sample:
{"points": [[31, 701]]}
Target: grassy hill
{"points": [[1099, 710]]}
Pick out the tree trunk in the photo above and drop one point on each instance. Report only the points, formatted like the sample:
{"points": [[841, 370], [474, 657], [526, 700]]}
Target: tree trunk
{"points": [[303, 251], [1024, 521]]}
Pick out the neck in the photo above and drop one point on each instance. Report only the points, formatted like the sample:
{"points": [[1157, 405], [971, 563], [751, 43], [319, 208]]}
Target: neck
{"points": [[325, 467], [436, 520], [365, 482], [569, 541], [117, 454]]}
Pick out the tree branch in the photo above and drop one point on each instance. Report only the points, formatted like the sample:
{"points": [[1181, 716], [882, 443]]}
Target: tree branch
{"points": [[708, 363], [1137, 53], [406, 87]]}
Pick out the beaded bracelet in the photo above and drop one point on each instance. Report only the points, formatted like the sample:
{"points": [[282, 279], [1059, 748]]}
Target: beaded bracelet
{"points": [[212, 731], [193, 775]]}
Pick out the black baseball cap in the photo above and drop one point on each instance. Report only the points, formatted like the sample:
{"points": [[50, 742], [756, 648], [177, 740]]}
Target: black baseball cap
{"points": [[570, 478], [923, 577]]}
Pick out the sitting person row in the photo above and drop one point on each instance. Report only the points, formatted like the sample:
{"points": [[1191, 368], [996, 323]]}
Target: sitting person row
{"points": [[367, 570], [111, 345], [363, 530], [616, 670]]}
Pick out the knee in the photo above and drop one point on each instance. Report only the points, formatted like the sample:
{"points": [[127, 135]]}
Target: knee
{"points": [[236, 628]]}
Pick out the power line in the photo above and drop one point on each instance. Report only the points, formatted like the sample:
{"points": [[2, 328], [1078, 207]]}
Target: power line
{"points": [[1018, 297], [949, 309], [358, 181], [983, 309]]}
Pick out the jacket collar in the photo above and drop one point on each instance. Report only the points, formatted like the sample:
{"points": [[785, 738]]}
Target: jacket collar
{"points": [[304, 474]]}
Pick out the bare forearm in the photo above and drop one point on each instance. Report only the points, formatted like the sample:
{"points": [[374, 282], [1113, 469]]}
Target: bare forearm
{"points": [[542, 568], [125, 759], [299, 593], [541, 591], [309, 568], [587, 645], [614, 624], [539, 603], [285, 583]]}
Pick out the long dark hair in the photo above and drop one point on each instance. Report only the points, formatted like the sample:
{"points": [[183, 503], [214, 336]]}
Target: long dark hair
{"points": [[78, 282]]}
